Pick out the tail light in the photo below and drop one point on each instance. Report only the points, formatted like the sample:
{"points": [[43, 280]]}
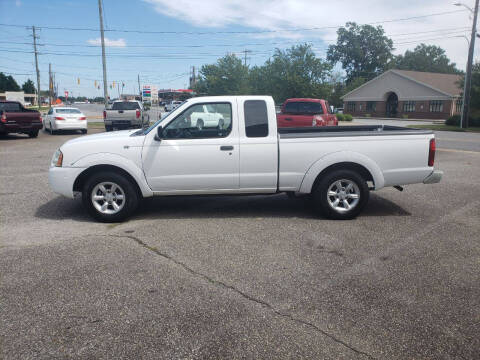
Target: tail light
{"points": [[137, 113], [59, 118], [3, 118], [431, 152], [104, 114], [82, 118]]}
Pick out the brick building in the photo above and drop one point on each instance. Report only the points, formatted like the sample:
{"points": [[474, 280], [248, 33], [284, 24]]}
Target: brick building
{"points": [[402, 93]]}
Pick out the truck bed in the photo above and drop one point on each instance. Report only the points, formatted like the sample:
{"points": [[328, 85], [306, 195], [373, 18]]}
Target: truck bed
{"points": [[352, 130]]}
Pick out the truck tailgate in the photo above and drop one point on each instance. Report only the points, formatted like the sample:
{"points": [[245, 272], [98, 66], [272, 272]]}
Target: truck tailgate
{"points": [[23, 119], [121, 114]]}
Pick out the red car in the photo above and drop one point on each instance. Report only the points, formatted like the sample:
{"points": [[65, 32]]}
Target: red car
{"points": [[306, 113], [14, 118]]}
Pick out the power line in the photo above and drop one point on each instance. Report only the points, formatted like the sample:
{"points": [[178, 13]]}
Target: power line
{"points": [[235, 32]]}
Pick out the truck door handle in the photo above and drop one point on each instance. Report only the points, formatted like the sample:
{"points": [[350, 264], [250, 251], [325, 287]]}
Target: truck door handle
{"points": [[226, 148], [288, 119]]}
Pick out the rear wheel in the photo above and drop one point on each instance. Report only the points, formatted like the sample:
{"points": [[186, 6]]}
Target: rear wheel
{"points": [[109, 197], [341, 194], [108, 128], [33, 134], [84, 131]]}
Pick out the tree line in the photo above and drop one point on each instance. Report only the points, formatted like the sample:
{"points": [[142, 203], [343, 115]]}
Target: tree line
{"points": [[363, 51]]}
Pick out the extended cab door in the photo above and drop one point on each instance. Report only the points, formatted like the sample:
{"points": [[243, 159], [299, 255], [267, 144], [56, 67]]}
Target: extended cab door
{"points": [[258, 145], [189, 160]]}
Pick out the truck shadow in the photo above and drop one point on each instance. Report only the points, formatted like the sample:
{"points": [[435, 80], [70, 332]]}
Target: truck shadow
{"points": [[180, 207]]}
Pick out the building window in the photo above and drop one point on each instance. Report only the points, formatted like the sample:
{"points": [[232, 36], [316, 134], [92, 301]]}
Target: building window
{"points": [[458, 106], [436, 106], [409, 106], [371, 106], [351, 107]]}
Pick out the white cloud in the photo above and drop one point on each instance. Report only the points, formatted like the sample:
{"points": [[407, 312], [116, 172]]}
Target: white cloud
{"points": [[108, 42], [294, 14], [18, 3]]}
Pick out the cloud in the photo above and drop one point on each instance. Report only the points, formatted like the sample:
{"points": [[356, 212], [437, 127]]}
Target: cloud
{"points": [[108, 42], [278, 15], [18, 3]]}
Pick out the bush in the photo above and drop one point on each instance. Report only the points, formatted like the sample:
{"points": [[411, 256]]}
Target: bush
{"points": [[453, 120], [340, 117], [348, 117]]}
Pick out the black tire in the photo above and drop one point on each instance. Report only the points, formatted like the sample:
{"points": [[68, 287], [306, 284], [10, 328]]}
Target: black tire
{"points": [[131, 196], [33, 134], [200, 124], [84, 131], [108, 128], [321, 199]]}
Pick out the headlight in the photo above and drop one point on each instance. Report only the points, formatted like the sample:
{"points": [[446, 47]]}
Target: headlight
{"points": [[57, 159]]}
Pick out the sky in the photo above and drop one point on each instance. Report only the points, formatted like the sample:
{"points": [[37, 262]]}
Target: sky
{"points": [[160, 40]]}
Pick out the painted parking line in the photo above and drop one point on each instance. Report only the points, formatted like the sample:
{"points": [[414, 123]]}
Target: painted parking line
{"points": [[459, 151]]}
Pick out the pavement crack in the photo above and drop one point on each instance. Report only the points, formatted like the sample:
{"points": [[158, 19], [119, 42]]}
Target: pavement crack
{"points": [[244, 295]]}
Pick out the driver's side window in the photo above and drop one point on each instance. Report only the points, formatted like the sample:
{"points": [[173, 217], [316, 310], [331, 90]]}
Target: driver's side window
{"points": [[192, 123]]}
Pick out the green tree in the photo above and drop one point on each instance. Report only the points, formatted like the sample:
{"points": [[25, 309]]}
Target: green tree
{"points": [[227, 77], [363, 50], [28, 87], [429, 58], [8, 83], [295, 72]]}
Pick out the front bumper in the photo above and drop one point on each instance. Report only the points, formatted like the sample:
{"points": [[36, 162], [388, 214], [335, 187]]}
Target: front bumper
{"points": [[434, 177], [61, 179]]}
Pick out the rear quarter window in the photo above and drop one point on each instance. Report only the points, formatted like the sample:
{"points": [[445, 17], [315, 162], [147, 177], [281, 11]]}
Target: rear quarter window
{"points": [[303, 107], [256, 118]]}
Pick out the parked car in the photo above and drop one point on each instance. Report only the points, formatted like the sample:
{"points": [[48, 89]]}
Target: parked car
{"points": [[337, 166], [339, 111], [125, 114], [14, 118], [65, 118], [172, 105], [306, 113], [206, 116]]}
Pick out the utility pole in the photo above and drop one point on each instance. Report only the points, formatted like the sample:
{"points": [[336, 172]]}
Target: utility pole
{"points": [[105, 85], [245, 56], [36, 65], [50, 85], [139, 91], [468, 75]]}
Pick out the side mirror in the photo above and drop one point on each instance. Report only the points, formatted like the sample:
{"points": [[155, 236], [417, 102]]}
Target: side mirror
{"points": [[159, 135]]}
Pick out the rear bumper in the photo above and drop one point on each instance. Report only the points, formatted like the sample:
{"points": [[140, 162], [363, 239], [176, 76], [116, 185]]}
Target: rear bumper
{"points": [[123, 123], [18, 128], [434, 177], [70, 125], [61, 180]]}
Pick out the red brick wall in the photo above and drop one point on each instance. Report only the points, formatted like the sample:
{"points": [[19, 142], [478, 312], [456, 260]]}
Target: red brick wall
{"points": [[422, 110]]}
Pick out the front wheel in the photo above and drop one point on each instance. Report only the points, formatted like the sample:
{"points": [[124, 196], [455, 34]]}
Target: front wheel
{"points": [[341, 195], [109, 197]]}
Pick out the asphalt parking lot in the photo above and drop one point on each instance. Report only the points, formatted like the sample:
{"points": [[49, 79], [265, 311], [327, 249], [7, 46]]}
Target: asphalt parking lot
{"points": [[240, 277]]}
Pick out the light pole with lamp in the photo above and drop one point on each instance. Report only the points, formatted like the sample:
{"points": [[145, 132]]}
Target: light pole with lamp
{"points": [[468, 74]]}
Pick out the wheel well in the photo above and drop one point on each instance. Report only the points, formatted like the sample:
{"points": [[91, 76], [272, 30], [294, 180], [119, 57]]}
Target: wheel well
{"points": [[80, 180], [359, 169]]}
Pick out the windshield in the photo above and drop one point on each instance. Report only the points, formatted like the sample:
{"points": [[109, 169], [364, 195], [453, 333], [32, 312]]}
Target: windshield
{"points": [[125, 105], [68, 111], [164, 116]]}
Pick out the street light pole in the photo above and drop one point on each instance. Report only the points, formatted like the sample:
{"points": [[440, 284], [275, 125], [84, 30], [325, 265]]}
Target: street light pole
{"points": [[104, 62], [468, 74]]}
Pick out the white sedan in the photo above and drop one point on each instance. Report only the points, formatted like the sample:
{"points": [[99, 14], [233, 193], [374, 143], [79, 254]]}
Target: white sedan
{"points": [[65, 118]]}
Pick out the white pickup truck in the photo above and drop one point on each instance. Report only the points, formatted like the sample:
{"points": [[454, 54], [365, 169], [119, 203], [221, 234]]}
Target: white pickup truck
{"points": [[247, 154]]}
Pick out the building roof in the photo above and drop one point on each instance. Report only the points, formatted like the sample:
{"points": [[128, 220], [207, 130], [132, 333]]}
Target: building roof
{"points": [[447, 83]]}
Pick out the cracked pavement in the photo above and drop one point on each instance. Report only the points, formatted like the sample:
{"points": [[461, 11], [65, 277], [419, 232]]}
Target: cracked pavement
{"points": [[238, 277]]}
